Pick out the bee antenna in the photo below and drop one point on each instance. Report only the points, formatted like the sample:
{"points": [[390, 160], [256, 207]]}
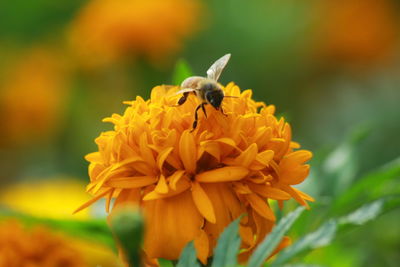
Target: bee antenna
{"points": [[231, 96]]}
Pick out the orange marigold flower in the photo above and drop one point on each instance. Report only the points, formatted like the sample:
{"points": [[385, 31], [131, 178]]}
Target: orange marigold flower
{"points": [[35, 247], [190, 185], [357, 31], [31, 96], [106, 31]]}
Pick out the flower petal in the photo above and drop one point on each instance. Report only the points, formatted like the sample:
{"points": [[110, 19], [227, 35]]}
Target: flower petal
{"points": [[269, 192], [174, 178], [163, 156], [265, 157], [131, 182], [213, 149], [128, 196], [94, 199], [188, 151], [181, 186], [161, 187], [170, 223], [145, 151], [260, 206], [202, 246], [203, 202], [247, 156], [224, 174]]}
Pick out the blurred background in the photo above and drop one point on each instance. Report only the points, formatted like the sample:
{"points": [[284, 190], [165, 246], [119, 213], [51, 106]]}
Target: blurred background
{"points": [[330, 67]]}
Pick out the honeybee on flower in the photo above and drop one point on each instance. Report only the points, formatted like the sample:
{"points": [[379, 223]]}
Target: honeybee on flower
{"points": [[206, 89]]}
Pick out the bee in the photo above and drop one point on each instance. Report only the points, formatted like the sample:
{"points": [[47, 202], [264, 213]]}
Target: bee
{"points": [[206, 89]]}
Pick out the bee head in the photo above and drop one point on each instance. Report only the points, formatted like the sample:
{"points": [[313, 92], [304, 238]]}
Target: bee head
{"points": [[215, 98]]}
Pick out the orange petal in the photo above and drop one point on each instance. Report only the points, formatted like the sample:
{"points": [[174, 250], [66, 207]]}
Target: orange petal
{"points": [[108, 201], [188, 151], [170, 224], [265, 157], [300, 156], [247, 156], [241, 188], [260, 206], [128, 196], [304, 195], [161, 187], [224, 174], [247, 235], [213, 149], [203, 202], [163, 156], [145, 151], [94, 157], [269, 192], [94, 199], [174, 178], [202, 246], [182, 185], [132, 182], [290, 190]]}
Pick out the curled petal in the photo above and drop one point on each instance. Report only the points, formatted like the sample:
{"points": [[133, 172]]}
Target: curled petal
{"points": [[163, 156], [174, 178]]}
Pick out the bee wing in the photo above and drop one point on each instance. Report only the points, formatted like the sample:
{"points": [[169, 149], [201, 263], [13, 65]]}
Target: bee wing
{"points": [[185, 90], [215, 70]]}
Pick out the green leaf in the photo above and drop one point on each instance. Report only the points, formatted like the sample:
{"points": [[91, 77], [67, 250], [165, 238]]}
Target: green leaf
{"points": [[181, 72], [128, 227], [321, 237], [267, 246], [188, 256], [374, 185], [364, 214], [339, 168], [225, 253]]}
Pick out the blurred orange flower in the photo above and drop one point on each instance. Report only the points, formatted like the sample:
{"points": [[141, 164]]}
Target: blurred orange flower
{"points": [[32, 96], [191, 185], [40, 246], [37, 247], [106, 31], [356, 31]]}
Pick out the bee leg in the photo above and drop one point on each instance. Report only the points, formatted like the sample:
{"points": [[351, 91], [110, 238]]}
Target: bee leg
{"points": [[182, 100], [222, 111], [204, 110], [196, 117]]}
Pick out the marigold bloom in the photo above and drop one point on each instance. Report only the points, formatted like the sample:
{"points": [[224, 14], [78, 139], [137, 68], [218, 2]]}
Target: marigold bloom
{"points": [[41, 246], [31, 96], [20, 247], [106, 31], [191, 185], [357, 31]]}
